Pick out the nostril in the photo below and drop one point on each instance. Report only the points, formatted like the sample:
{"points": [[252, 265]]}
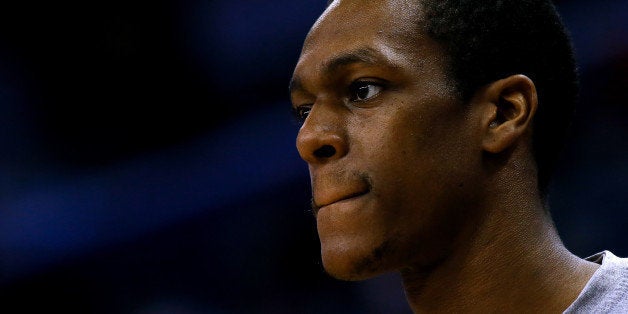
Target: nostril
{"points": [[325, 151]]}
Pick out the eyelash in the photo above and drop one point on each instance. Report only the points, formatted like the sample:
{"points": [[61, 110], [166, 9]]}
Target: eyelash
{"points": [[301, 113], [356, 87]]}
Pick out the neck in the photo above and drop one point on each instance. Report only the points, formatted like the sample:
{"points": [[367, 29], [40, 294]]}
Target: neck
{"points": [[513, 260]]}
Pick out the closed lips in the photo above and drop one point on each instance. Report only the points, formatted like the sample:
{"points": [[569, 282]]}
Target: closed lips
{"points": [[343, 197]]}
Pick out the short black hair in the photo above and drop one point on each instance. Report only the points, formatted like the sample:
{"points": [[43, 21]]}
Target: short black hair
{"points": [[487, 40]]}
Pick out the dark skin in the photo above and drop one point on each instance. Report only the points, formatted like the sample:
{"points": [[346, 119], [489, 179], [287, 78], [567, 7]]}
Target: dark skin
{"points": [[405, 177]]}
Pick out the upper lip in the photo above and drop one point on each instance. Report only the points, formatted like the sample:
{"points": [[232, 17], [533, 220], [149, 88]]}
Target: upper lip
{"points": [[333, 187]]}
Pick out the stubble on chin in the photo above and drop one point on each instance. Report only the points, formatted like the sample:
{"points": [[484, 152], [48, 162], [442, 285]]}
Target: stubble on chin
{"points": [[368, 266], [314, 207]]}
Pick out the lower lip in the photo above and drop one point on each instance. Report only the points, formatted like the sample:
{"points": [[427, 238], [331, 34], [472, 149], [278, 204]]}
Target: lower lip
{"points": [[344, 200]]}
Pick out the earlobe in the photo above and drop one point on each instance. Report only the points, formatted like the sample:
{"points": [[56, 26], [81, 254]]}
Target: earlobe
{"points": [[510, 107]]}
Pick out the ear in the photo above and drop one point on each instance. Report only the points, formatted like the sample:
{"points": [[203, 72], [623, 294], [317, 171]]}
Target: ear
{"points": [[509, 107]]}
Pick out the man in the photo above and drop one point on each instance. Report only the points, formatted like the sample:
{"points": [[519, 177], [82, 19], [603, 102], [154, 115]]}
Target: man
{"points": [[430, 129]]}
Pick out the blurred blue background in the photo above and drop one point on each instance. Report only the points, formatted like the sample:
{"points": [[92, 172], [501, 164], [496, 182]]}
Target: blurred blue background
{"points": [[147, 159]]}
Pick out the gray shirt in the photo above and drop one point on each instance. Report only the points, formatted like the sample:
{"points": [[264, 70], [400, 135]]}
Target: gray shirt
{"points": [[607, 290]]}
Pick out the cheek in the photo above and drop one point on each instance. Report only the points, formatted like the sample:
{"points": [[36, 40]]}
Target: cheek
{"points": [[421, 164], [394, 140]]}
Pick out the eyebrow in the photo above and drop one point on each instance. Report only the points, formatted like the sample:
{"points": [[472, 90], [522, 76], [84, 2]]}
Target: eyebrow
{"points": [[361, 55]]}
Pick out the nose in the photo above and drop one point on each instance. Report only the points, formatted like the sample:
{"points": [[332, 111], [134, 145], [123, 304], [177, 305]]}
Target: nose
{"points": [[321, 138]]}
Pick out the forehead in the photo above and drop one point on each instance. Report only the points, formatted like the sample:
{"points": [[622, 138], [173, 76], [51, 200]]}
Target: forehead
{"points": [[387, 30], [365, 20]]}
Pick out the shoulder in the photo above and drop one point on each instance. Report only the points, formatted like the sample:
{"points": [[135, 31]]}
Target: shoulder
{"points": [[607, 290]]}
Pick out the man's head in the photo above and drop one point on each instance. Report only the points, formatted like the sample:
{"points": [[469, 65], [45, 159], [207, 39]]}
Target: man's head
{"points": [[398, 126]]}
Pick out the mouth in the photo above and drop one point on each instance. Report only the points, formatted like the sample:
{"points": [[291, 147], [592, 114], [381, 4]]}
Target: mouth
{"points": [[331, 189], [316, 207]]}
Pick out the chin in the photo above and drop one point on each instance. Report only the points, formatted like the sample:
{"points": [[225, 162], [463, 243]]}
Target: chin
{"points": [[354, 265]]}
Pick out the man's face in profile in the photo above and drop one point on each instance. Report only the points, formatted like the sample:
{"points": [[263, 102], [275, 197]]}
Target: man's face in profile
{"points": [[391, 150]]}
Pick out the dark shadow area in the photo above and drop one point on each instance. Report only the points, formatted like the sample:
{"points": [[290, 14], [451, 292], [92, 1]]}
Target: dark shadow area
{"points": [[148, 161]]}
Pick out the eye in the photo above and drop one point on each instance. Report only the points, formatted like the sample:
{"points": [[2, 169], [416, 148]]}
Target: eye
{"points": [[361, 90], [301, 112]]}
